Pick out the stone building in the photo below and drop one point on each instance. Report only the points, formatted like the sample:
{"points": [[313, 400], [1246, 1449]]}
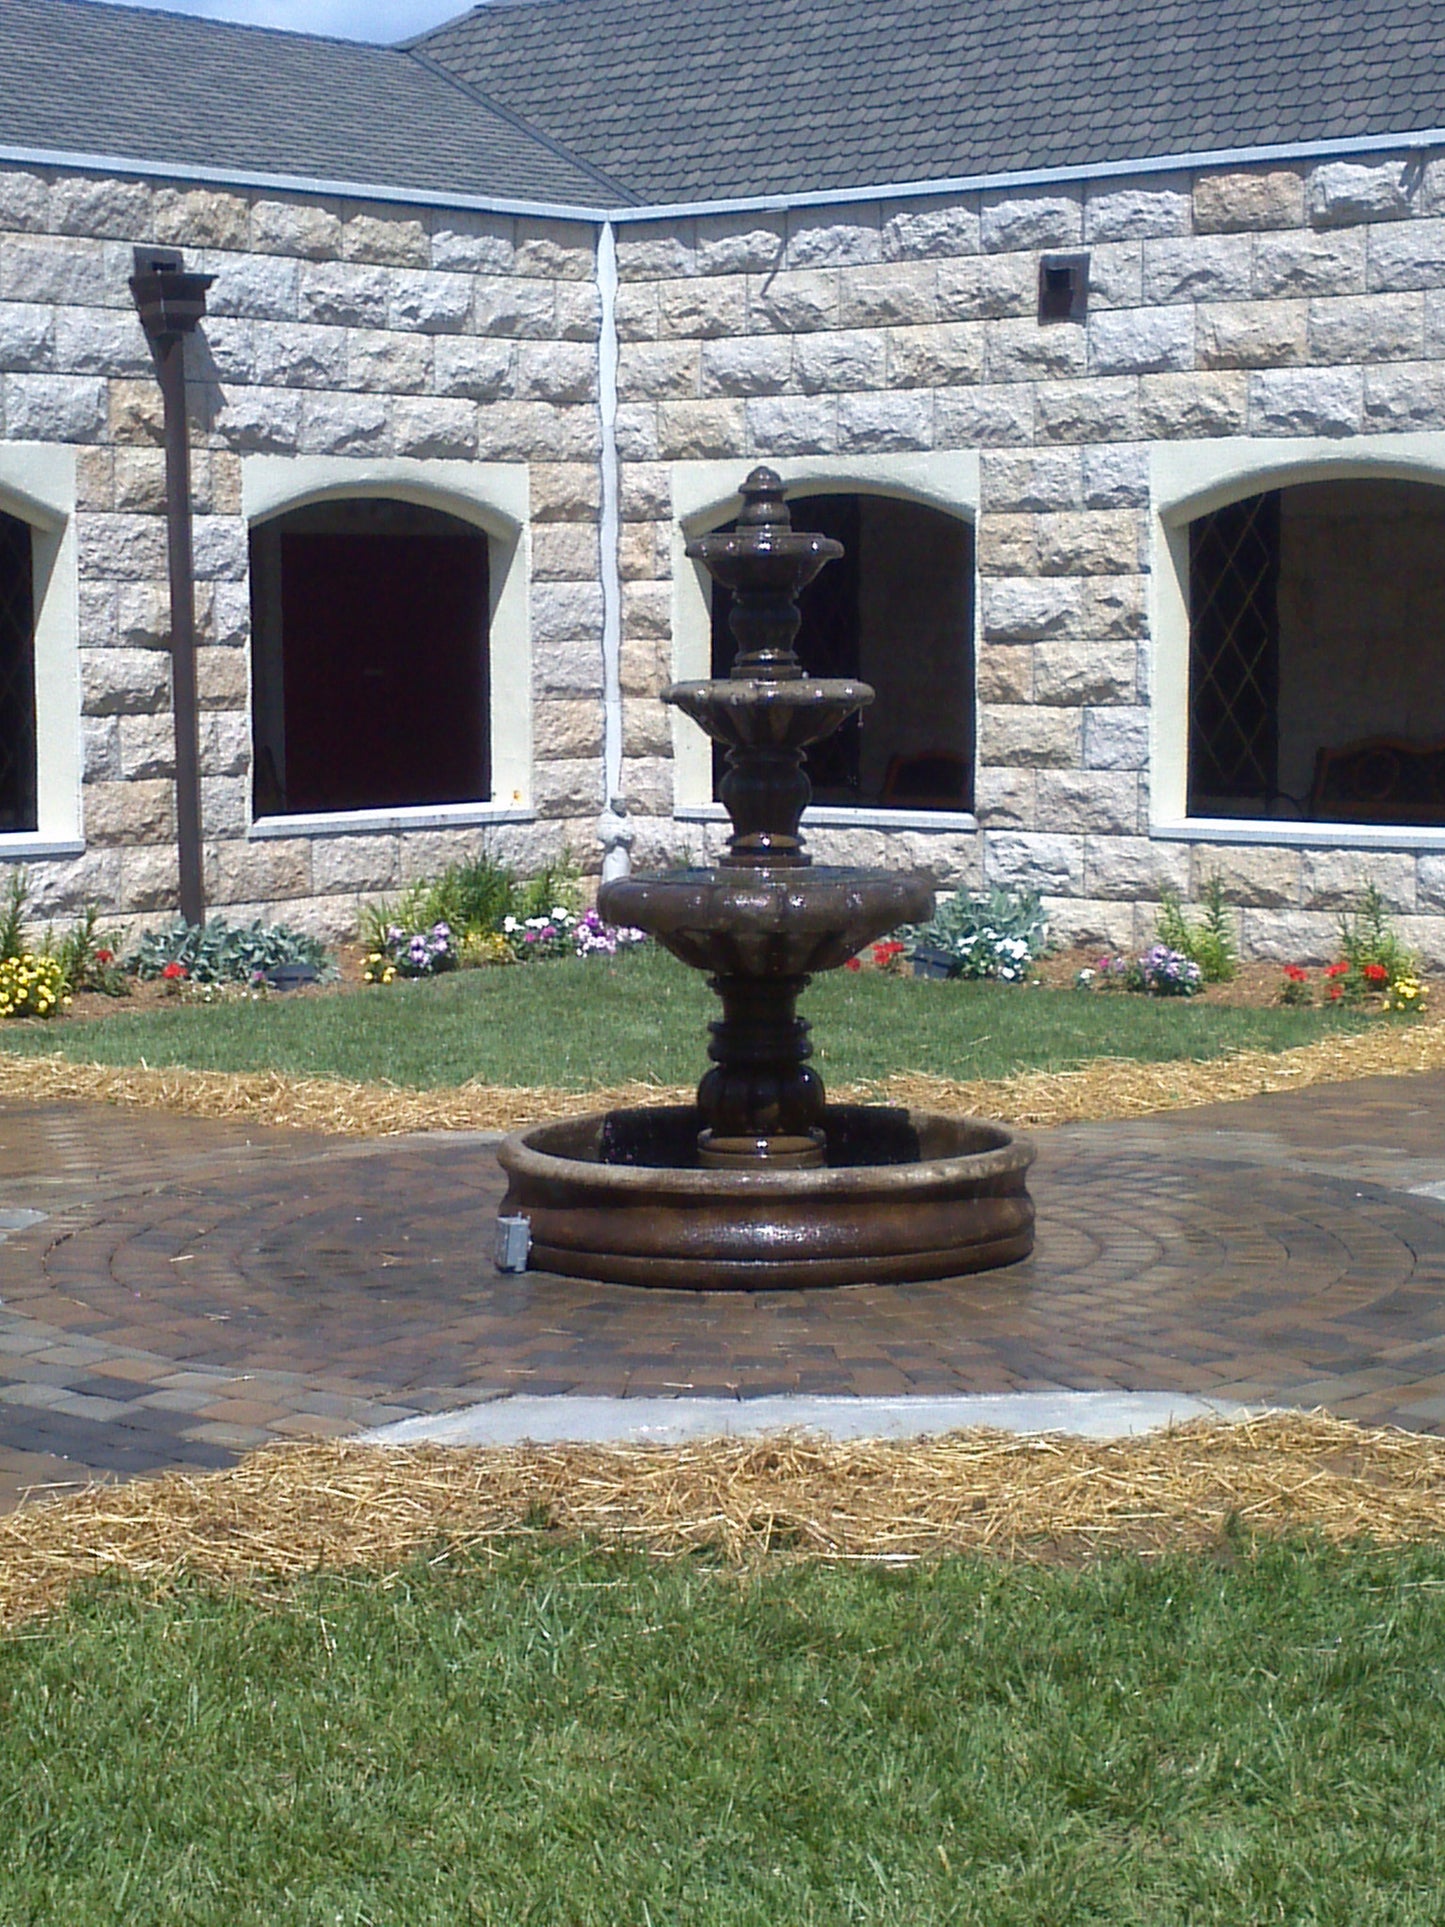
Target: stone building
{"points": [[1111, 341]]}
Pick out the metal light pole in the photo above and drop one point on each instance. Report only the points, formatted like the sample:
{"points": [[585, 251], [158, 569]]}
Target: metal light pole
{"points": [[170, 302]]}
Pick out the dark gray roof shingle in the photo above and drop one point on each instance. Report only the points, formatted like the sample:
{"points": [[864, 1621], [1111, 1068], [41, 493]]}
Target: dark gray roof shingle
{"points": [[723, 97], [167, 87]]}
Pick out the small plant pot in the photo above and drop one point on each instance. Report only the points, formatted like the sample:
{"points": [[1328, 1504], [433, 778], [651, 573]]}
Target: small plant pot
{"points": [[937, 964]]}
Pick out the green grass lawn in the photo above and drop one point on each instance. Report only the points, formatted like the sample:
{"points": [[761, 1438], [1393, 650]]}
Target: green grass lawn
{"points": [[579, 1024], [580, 1739]]}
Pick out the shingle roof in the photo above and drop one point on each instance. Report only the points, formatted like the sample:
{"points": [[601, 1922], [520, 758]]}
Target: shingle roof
{"points": [[737, 97], [167, 87]]}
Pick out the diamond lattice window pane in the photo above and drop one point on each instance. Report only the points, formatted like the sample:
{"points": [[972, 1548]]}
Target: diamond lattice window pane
{"points": [[1234, 653], [17, 678]]}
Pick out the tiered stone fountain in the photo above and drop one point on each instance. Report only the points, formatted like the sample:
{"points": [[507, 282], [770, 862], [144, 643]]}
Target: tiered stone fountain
{"points": [[763, 1184]]}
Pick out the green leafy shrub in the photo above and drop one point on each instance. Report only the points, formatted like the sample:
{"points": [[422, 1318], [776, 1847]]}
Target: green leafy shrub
{"points": [[12, 914], [88, 961], [1368, 936], [474, 900], [1209, 942], [220, 953], [997, 934]]}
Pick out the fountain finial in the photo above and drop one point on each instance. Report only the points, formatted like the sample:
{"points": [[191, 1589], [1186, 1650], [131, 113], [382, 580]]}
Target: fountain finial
{"points": [[763, 503]]}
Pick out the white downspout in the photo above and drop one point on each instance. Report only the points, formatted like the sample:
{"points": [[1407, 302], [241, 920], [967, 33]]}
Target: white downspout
{"points": [[613, 828]]}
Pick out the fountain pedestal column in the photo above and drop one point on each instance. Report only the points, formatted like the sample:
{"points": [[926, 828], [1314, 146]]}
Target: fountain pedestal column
{"points": [[761, 1102]]}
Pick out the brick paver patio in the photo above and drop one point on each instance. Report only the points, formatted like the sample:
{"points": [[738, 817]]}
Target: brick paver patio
{"points": [[175, 1292]]}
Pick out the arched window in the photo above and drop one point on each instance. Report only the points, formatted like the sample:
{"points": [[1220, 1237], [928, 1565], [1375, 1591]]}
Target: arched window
{"points": [[370, 658], [18, 798], [896, 612], [1317, 654]]}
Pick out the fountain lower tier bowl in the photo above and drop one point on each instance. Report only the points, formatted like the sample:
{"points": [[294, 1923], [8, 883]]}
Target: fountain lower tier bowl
{"points": [[619, 1197], [758, 922]]}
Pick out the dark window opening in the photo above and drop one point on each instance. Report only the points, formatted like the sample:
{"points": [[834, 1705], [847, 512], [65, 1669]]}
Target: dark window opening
{"points": [[1317, 655], [18, 805], [370, 659], [897, 613], [1063, 287]]}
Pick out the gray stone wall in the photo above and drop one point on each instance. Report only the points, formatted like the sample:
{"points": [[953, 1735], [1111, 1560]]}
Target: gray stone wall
{"points": [[1266, 303], [341, 329]]}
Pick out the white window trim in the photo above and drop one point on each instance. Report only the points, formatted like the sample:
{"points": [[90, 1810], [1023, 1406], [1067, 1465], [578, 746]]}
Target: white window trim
{"points": [[705, 495], [37, 484], [493, 496], [1189, 479]]}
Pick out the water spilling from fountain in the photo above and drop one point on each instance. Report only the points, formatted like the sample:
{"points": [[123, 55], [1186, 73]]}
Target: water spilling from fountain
{"points": [[762, 1184]]}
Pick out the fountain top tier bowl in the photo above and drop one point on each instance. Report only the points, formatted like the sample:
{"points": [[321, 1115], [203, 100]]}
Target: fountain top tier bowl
{"points": [[763, 1184]]}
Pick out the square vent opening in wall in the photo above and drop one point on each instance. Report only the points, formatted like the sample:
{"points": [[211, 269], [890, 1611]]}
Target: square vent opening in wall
{"points": [[1063, 287]]}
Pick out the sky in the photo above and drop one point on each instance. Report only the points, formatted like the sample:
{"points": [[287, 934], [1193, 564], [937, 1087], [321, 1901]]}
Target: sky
{"points": [[377, 20]]}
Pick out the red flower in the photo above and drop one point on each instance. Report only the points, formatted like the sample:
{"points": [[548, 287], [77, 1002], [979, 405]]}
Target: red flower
{"points": [[1336, 992], [884, 953], [105, 956], [174, 970], [1296, 974], [1339, 969], [1376, 973], [853, 963]]}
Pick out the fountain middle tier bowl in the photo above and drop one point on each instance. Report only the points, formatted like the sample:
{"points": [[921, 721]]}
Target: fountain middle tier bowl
{"points": [[767, 923], [905, 1196]]}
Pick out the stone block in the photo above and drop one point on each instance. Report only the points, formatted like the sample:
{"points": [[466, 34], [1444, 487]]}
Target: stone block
{"points": [[647, 610], [748, 365], [1178, 407], [101, 207], [1070, 673], [395, 240], [885, 423], [60, 889], [1409, 396], [1430, 883], [1140, 341], [1022, 218], [134, 416], [1088, 923], [100, 749], [23, 201], [147, 746], [1033, 482], [1006, 675], [218, 545], [1116, 477], [647, 370], [792, 425], [95, 478], [564, 552], [988, 287], [1249, 199], [27, 336], [259, 287], [1134, 211], [646, 666], [563, 729], [225, 736], [569, 787], [1406, 255], [267, 871], [1305, 263], [561, 371], [48, 270], [431, 301], [1112, 606], [227, 350], [1126, 868], [554, 250], [797, 301], [200, 217], [1097, 802], [1029, 609], [700, 430], [565, 492], [1306, 401], [1052, 864], [635, 429], [1336, 879], [298, 355], [1027, 736], [430, 427], [740, 243], [1207, 267], [509, 305], [578, 310], [1004, 798], [1345, 193], [143, 613], [930, 226], [1368, 327], [1287, 936], [642, 551], [895, 294], [1101, 409], [834, 237], [383, 363], [646, 493], [1252, 877], [1097, 542], [352, 862], [472, 243], [252, 421], [1008, 545], [657, 250], [992, 415], [635, 311], [702, 309], [344, 295], [302, 228], [1251, 334], [566, 611], [129, 812], [1116, 737], [344, 425], [1022, 350], [124, 682], [225, 614], [828, 363], [475, 366], [1116, 275], [54, 408], [222, 678], [123, 548]]}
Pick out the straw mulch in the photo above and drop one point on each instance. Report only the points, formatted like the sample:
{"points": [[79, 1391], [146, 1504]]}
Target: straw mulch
{"points": [[291, 1511], [1108, 1087]]}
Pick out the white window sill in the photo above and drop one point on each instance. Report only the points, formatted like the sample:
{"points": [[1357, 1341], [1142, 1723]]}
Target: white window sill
{"points": [[431, 816], [30, 843], [827, 816], [1303, 836]]}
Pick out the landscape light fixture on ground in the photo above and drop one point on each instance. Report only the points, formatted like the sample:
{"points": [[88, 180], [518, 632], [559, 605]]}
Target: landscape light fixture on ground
{"points": [[763, 1184]]}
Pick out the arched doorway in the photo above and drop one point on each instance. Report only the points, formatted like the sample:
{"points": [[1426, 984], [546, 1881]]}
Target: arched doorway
{"points": [[370, 658]]}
